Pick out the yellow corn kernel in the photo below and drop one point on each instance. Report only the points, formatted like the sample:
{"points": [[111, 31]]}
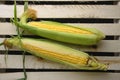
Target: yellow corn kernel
{"points": [[73, 59], [62, 28]]}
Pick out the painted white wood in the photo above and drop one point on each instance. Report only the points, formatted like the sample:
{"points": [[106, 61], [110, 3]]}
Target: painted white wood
{"points": [[66, 11], [108, 29], [7, 29], [33, 62], [102, 46], [52, 11], [62, 76]]}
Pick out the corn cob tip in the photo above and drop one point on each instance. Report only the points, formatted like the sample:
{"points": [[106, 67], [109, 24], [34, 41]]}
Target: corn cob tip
{"points": [[7, 44], [99, 66]]}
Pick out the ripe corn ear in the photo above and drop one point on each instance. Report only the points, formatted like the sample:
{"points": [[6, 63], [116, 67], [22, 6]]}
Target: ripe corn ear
{"points": [[60, 32], [54, 51]]}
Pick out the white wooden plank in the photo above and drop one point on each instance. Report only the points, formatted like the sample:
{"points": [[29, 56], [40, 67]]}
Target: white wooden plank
{"points": [[102, 46], [62, 76], [108, 29], [32, 62], [64, 11], [7, 29]]}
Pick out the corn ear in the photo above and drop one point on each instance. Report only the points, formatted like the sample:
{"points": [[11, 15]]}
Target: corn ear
{"points": [[60, 32], [54, 51]]}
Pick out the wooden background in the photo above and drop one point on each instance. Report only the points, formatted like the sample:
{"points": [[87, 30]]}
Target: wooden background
{"points": [[101, 14]]}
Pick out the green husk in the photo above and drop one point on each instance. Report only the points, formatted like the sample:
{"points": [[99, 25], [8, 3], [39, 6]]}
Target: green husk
{"points": [[57, 48], [19, 34], [80, 39]]}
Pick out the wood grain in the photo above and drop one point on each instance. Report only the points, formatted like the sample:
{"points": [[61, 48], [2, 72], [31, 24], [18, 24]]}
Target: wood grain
{"points": [[62, 76], [33, 62], [70, 11]]}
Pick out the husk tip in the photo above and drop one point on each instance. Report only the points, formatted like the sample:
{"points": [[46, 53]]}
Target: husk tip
{"points": [[30, 13]]}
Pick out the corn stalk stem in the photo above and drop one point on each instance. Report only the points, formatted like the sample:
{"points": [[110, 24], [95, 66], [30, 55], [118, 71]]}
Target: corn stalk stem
{"points": [[19, 35]]}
